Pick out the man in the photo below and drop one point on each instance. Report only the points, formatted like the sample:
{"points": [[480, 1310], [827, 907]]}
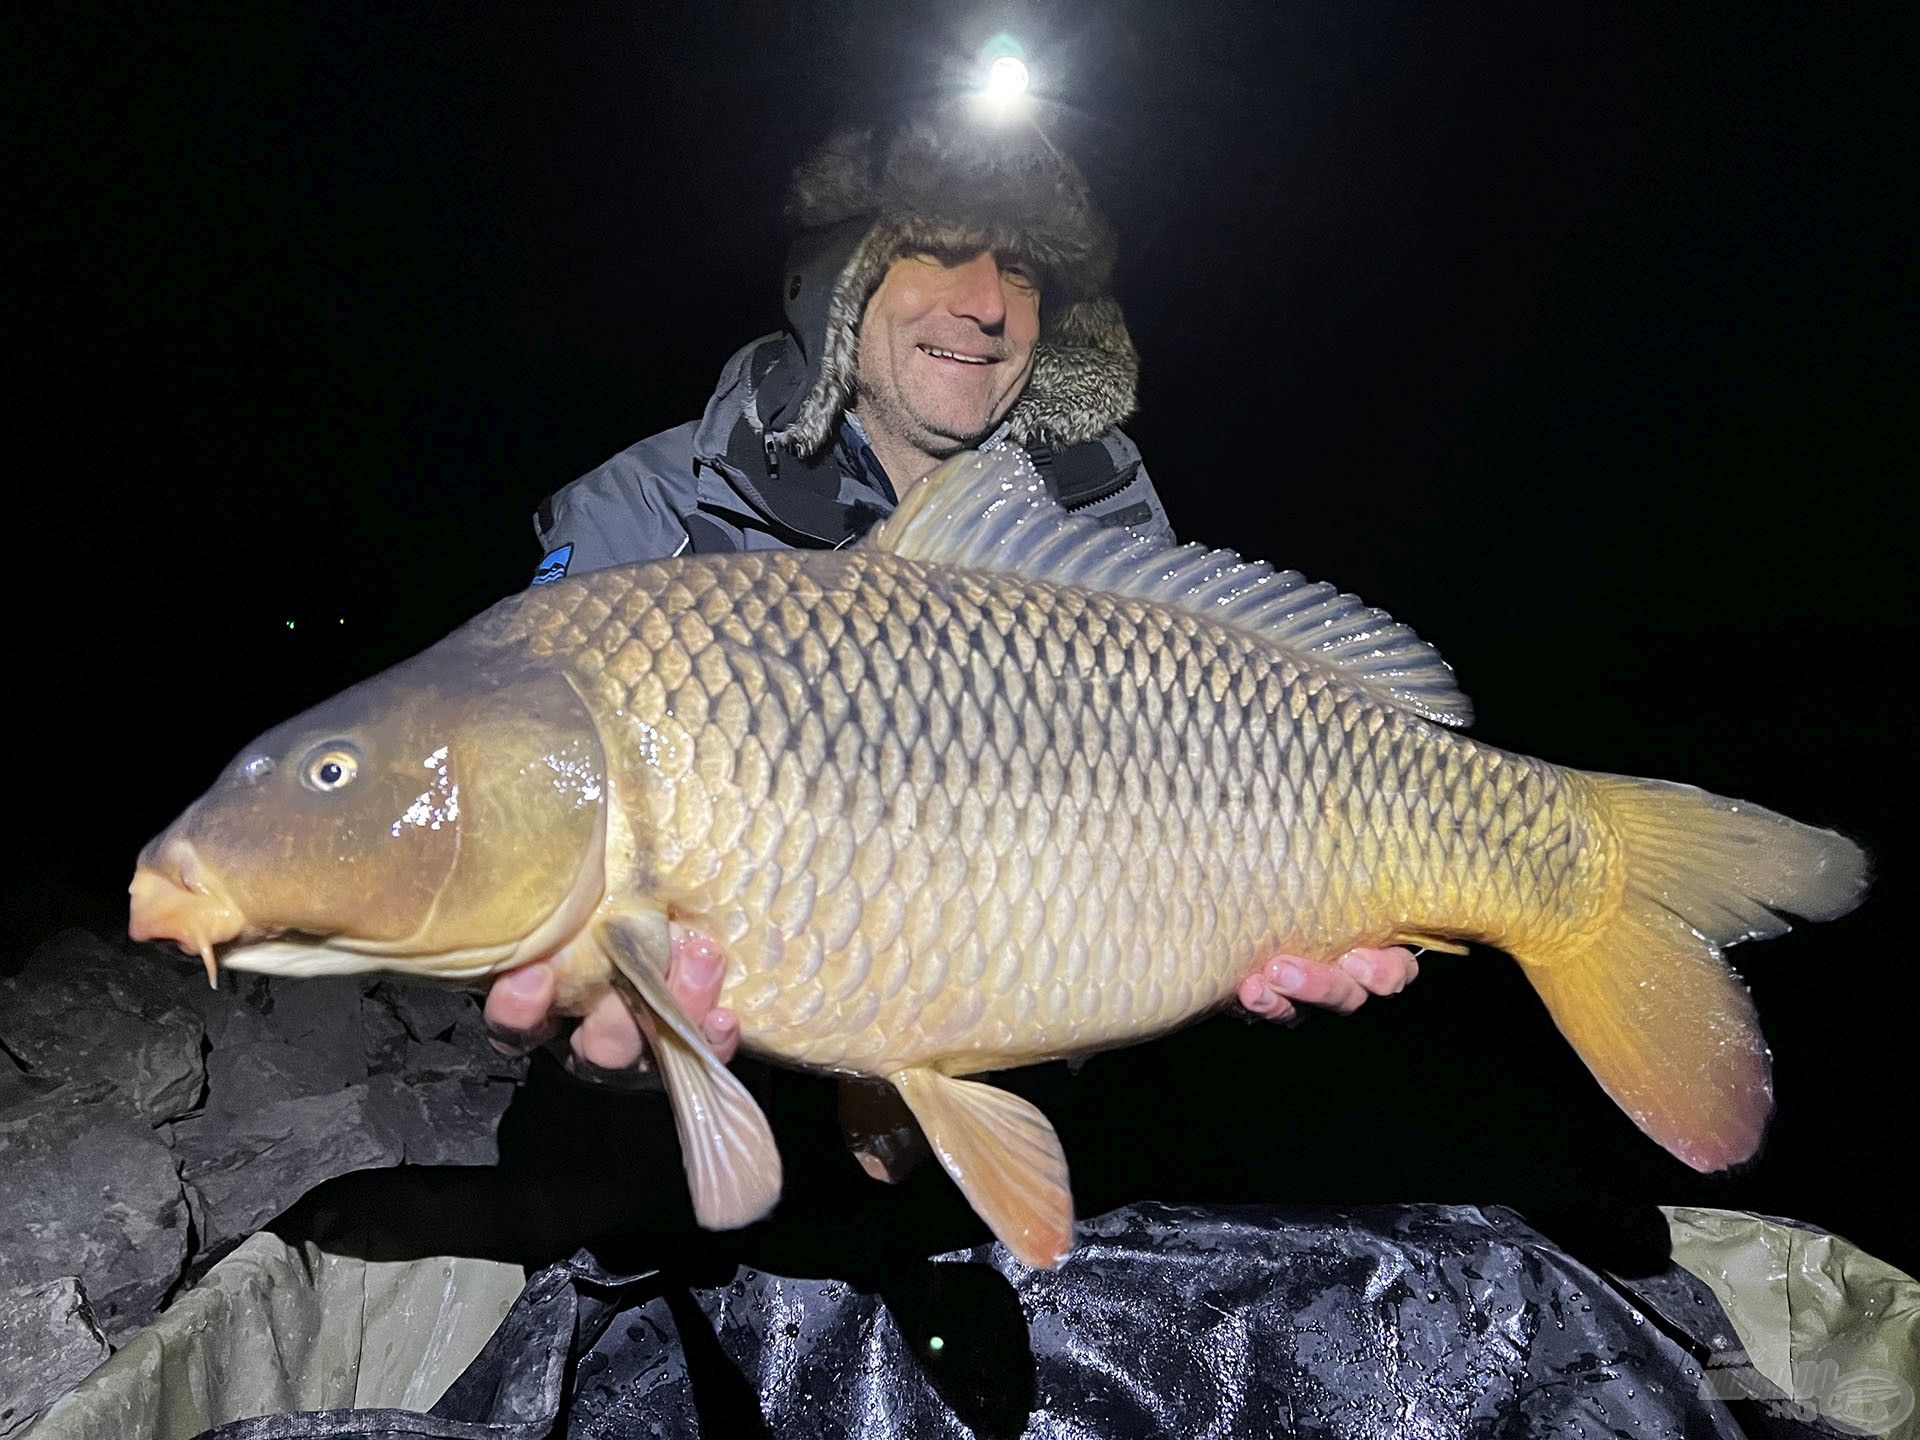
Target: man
{"points": [[948, 290]]}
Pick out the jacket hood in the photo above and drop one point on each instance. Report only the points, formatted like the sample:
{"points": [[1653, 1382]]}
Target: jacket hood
{"points": [[944, 182]]}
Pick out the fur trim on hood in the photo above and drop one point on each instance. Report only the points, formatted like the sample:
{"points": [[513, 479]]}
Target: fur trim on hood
{"points": [[948, 183]]}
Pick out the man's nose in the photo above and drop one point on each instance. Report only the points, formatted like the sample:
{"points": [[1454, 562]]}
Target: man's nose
{"points": [[974, 293]]}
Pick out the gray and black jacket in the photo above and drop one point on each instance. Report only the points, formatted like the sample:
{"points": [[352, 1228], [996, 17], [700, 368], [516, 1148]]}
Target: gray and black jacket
{"points": [[718, 483]]}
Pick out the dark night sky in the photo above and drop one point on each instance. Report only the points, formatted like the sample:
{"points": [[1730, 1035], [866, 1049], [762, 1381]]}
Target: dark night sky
{"points": [[1579, 337]]}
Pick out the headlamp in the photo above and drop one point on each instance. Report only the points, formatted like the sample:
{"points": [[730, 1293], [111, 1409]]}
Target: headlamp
{"points": [[1004, 86], [1006, 78]]}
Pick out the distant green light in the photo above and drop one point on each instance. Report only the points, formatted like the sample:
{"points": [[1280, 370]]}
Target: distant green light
{"points": [[289, 624], [936, 1343], [999, 45]]}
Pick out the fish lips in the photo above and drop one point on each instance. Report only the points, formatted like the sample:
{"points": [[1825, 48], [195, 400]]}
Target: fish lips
{"points": [[175, 897]]}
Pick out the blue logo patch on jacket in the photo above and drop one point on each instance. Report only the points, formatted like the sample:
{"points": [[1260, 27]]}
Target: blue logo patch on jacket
{"points": [[553, 566]]}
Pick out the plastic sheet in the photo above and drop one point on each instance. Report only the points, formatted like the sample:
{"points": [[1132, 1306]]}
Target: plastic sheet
{"points": [[274, 1327], [1834, 1329], [1421, 1320]]}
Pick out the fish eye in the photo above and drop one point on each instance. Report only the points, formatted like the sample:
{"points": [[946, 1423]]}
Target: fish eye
{"points": [[331, 768]]}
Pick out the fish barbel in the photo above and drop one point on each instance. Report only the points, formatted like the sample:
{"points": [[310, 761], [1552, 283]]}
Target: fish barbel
{"points": [[994, 786]]}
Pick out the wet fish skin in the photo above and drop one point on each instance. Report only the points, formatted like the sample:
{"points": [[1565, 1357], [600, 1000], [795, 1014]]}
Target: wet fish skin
{"points": [[992, 787], [941, 817]]}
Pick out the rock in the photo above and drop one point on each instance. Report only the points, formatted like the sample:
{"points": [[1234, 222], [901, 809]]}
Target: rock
{"points": [[91, 1191], [119, 1132], [249, 1163], [435, 1122], [85, 1010], [49, 1342]]}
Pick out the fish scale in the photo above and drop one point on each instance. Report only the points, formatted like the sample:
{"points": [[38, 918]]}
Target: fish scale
{"points": [[995, 820]]}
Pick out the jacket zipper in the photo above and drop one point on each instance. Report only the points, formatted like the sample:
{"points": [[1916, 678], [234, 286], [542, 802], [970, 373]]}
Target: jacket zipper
{"points": [[1111, 489]]}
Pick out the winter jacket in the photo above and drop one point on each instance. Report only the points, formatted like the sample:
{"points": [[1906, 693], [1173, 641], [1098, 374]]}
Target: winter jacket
{"points": [[718, 483]]}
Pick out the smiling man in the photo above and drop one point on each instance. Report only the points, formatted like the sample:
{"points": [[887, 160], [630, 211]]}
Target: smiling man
{"points": [[948, 288], [945, 349]]}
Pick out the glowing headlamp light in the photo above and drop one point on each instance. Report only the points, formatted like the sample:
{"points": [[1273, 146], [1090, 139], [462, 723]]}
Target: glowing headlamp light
{"points": [[1005, 84], [1007, 78]]}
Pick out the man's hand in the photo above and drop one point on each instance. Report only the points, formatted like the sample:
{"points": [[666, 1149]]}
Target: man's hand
{"points": [[606, 1045], [1273, 990]]}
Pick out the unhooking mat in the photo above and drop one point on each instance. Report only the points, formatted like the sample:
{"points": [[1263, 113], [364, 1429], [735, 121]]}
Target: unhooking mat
{"points": [[1419, 1320]]}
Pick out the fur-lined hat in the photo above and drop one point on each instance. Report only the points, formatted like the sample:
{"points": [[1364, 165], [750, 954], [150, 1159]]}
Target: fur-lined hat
{"points": [[947, 183]]}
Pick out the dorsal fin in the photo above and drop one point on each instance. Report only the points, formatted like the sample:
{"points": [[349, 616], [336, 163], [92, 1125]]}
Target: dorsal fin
{"points": [[989, 510]]}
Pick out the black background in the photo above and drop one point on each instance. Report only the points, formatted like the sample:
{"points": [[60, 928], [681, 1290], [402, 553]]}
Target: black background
{"points": [[1579, 337]]}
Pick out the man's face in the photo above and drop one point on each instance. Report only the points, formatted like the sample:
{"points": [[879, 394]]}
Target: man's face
{"points": [[946, 346]]}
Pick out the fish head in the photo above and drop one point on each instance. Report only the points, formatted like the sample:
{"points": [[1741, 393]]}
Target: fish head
{"points": [[446, 818]]}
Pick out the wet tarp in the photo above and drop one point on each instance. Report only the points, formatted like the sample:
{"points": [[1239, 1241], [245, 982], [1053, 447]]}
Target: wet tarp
{"points": [[276, 1327], [1814, 1318], [1427, 1320]]}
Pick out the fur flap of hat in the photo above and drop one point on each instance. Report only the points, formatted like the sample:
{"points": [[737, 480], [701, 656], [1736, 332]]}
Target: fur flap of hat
{"points": [[959, 187]]}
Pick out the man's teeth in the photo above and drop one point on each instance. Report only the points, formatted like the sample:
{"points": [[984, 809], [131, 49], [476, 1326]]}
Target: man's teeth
{"points": [[954, 355]]}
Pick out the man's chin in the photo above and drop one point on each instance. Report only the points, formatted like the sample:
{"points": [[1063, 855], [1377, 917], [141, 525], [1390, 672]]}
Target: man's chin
{"points": [[943, 436]]}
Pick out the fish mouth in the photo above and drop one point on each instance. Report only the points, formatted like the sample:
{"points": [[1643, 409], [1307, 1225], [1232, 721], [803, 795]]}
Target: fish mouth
{"points": [[175, 897]]}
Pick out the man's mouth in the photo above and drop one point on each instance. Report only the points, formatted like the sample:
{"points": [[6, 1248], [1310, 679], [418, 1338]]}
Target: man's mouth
{"points": [[956, 355]]}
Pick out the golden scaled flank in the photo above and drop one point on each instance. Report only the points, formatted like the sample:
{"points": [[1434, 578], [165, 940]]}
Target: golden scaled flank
{"points": [[1070, 820]]}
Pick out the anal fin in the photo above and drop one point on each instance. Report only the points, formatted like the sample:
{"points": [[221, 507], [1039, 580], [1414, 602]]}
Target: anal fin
{"points": [[1003, 1155], [733, 1165]]}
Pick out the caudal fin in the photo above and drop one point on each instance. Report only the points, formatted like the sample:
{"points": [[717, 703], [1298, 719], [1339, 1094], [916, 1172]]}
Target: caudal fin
{"points": [[1661, 1020]]}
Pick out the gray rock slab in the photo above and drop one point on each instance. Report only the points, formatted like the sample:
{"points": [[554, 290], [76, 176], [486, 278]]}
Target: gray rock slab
{"points": [[249, 1164], [91, 1191], [49, 1343], [83, 1009]]}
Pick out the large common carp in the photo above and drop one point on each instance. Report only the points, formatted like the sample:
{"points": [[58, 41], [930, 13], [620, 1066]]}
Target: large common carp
{"points": [[993, 786]]}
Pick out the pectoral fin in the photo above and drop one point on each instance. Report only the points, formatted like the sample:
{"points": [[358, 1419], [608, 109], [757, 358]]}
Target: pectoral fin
{"points": [[1003, 1155], [733, 1166]]}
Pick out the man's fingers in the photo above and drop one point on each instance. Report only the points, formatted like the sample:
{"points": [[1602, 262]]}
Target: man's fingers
{"points": [[1385, 971], [519, 1009], [1312, 982], [695, 972], [722, 1031], [607, 1043], [608, 1039], [695, 968], [1261, 999]]}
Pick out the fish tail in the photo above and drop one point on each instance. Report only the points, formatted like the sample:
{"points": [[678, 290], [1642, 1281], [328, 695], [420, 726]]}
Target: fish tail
{"points": [[1660, 1019]]}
